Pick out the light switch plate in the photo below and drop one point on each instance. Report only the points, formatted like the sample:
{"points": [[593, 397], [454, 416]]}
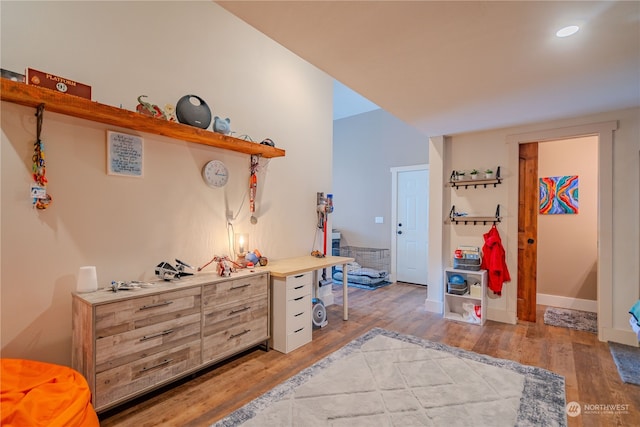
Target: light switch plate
{"points": [[379, 220]]}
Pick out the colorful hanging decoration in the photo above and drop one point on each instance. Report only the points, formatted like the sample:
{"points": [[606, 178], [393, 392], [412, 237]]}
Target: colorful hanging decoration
{"points": [[41, 199], [253, 184]]}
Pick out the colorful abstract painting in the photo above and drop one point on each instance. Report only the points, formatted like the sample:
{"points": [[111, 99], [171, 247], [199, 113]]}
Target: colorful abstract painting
{"points": [[559, 195]]}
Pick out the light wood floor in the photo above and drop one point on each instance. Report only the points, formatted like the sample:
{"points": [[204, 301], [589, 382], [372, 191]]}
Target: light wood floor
{"points": [[590, 373]]}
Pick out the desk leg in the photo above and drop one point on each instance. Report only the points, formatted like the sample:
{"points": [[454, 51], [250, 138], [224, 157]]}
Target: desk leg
{"points": [[345, 294]]}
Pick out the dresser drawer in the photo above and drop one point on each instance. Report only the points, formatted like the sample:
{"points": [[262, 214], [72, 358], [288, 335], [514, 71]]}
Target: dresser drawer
{"points": [[299, 305], [128, 315], [235, 313], [127, 347], [229, 340], [235, 326], [124, 381], [299, 337], [298, 291], [298, 280], [235, 290], [298, 321]]}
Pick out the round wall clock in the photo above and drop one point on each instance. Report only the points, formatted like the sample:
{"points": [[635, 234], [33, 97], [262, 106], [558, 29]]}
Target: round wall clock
{"points": [[215, 173]]}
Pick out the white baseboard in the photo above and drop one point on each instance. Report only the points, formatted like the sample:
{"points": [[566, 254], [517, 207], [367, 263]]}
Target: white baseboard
{"points": [[502, 316], [566, 302], [619, 336], [433, 306], [325, 293]]}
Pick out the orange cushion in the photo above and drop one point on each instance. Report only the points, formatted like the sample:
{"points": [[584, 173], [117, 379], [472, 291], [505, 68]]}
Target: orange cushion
{"points": [[43, 394]]}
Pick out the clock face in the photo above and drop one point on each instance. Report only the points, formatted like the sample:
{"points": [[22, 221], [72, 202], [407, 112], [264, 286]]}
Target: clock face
{"points": [[215, 173]]}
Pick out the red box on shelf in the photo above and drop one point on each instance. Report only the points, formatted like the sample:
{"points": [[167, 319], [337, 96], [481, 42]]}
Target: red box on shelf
{"points": [[57, 83]]}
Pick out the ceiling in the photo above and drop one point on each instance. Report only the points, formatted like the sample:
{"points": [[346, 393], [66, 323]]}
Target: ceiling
{"points": [[447, 67]]}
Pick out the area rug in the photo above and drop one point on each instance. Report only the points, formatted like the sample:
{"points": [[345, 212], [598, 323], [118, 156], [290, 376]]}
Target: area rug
{"points": [[627, 360], [572, 319], [386, 378]]}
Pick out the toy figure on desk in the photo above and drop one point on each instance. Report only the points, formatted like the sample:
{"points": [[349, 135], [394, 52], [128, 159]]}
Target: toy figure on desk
{"points": [[168, 272]]}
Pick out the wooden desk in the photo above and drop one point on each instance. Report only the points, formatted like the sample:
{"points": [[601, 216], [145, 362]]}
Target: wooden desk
{"points": [[290, 266]]}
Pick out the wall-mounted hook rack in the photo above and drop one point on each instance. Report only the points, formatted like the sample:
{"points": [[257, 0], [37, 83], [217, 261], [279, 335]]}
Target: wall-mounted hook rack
{"points": [[455, 183], [456, 218]]}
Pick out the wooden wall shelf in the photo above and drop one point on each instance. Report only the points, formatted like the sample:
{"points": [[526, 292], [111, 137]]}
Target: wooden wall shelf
{"points": [[32, 96], [455, 218], [456, 183]]}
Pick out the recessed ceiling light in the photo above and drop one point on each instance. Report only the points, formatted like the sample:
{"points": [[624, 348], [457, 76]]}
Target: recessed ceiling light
{"points": [[567, 31]]}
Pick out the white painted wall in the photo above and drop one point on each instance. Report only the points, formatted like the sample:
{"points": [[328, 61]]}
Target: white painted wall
{"points": [[365, 149], [479, 151], [125, 226]]}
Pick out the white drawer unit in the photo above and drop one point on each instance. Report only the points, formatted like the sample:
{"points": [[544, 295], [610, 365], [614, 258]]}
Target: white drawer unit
{"points": [[291, 313]]}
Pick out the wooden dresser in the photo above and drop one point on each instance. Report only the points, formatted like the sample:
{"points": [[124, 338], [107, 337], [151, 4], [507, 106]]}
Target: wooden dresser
{"points": [[127, 343]]}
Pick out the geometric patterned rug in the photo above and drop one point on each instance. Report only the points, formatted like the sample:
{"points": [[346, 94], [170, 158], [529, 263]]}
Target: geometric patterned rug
{"points": [[572, 319], [387, 378]]}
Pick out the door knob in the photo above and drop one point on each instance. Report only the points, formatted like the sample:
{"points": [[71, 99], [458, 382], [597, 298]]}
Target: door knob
{"points": [[400, 232], [530, 241]]}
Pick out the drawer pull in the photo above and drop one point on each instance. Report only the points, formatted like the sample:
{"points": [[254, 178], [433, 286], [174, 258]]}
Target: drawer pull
{"points": [[164, 362], [299, 314], [298, 276], [301, 329], [240, 310], [298, 299], [299, 287], [160, 304], [246, 331], [239, 287], [159, 334]]}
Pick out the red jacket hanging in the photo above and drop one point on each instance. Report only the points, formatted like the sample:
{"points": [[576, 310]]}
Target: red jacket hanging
{"points": [[493, 260]]}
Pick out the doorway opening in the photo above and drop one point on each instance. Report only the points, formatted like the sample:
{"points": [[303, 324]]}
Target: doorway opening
{"points": [[557, 232], [603, 269]]}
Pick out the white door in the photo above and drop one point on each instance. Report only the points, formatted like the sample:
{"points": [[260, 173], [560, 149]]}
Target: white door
{"points": [[411, 226]]}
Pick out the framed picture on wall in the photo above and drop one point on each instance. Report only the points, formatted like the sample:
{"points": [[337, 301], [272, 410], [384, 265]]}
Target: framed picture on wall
{"points": [[559, 195], [124, 154]]}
